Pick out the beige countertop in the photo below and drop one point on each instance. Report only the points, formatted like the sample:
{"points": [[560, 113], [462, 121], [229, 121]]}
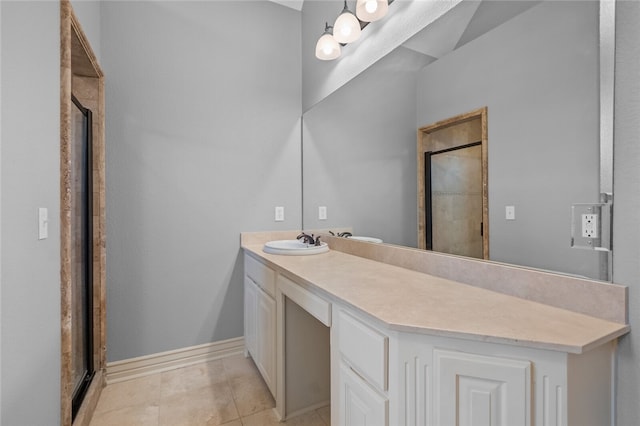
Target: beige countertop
{"points": [[405, 300]]}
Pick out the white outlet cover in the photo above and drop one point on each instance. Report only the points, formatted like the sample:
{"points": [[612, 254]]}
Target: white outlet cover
{"points": [[590, 225]]}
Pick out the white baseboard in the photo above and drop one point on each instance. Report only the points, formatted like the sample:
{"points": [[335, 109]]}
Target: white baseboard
{"points": [[132, 368], [308, 409]]}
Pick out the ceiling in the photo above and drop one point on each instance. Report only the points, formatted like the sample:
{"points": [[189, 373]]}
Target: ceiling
{"points": [[293, 4], [464, 23]]}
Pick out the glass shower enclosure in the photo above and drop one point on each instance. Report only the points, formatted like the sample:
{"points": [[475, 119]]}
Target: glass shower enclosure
{"points": [[81, 252]]}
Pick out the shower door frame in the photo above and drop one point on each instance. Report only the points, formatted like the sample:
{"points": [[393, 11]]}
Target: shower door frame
{"points": [[81, 75], [87, 246]]}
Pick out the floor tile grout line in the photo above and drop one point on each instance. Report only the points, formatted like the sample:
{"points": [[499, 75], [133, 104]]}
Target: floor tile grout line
{"points": [[111, 409], [233, 397], [230, 369]]}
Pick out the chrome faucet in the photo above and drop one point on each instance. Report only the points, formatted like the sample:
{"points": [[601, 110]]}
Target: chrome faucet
{"points": [[309, 239], [345, 234]]}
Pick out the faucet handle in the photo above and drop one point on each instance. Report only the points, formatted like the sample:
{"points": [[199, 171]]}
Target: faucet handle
{"points": [[306, 238]]}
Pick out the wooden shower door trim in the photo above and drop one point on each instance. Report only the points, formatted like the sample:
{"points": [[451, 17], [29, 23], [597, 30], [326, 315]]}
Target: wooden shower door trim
{"points": [[77, 61], [424, 146]]}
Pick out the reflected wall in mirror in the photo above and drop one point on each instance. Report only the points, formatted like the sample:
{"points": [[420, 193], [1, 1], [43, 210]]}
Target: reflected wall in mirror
{"points": [[534, 65]]}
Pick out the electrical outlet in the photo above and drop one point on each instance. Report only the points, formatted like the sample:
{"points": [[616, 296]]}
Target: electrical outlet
{"points": [[590, 225], [322, 213], [279, 214]]}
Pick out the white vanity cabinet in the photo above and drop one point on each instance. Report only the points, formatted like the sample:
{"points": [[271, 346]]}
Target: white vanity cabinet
{"points": [[359, 403], [250, 317], [360, 372], [474, 389], [387, 377], [394, 360], [260, 318], [444, 381]]}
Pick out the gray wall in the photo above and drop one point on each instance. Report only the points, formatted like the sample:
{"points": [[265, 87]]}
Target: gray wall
{"points": [[359, 153], [1, 261], [29, 174], [626, 259], [88, 13], [203, 141], [30, 164], [540, 84]]}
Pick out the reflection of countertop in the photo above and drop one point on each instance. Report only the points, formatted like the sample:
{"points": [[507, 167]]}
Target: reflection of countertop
{"points": [[411, 301]]}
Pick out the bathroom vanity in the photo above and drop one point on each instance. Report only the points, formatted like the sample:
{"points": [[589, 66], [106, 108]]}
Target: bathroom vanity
{"points": [[388, 345]]}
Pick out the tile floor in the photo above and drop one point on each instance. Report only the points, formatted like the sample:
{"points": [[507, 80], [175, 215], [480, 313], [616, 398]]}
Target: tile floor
{"points": [[228, 392]]}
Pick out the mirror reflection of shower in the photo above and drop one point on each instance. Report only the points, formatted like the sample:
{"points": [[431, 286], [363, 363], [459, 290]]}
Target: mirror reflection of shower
{"points": [[453, 197], [454, 200]]}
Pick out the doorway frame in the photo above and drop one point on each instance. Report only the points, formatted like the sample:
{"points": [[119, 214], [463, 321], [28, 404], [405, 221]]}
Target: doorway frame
{"points": [[423, 145], [81, 75]]}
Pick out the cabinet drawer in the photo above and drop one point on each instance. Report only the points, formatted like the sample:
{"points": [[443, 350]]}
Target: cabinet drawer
{"points": [[366, 349], [315, 305], [260, 274]]}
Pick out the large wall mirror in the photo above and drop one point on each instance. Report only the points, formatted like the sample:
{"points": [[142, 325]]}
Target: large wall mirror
{"points": [[535, 66]]}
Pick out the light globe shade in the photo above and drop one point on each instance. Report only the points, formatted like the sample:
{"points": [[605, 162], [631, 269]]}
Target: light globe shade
{"points": [[347, 27], [371, 10], [327, 48]]}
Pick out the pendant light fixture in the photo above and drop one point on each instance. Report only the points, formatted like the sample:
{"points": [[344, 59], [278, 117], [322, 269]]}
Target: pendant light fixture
{"points": [[347, 27], [327, 48], [371, 10]]}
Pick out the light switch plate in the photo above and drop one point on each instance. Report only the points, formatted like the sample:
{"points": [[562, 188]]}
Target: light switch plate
{"points": [[322, 213], [510, 212], [279, 214], [43, 223]]}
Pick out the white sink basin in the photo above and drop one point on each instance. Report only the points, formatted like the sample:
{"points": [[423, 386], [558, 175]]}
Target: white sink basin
{"points": [[294, 248], [367, 239]]}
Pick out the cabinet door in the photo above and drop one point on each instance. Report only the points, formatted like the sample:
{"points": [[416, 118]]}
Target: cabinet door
{"points": [[360, 404], [478, 390], [250, 306], [266, 317]]}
